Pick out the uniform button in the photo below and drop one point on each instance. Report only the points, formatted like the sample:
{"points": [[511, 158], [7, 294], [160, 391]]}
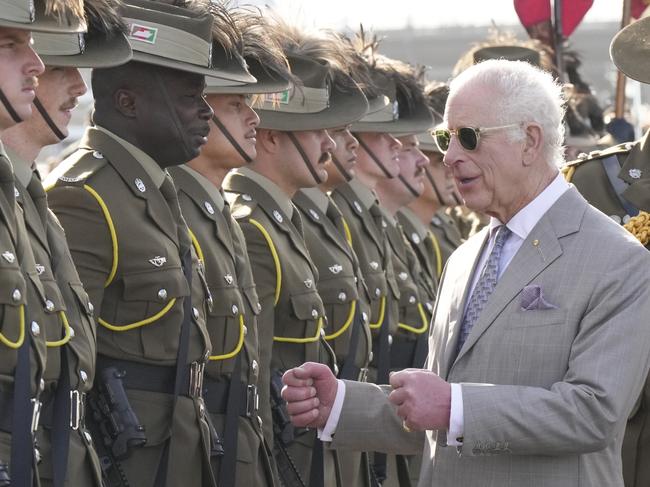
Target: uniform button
{"points": [[412, 300], [390, 339], [336, 369], [89, 438], [259, 307], [41, 385], [245, 330], [342, 296], [364, 315], [430, 307], [162, 294], [16, 295], [49, 305], [36, 329], [83, 375], [91, 308], [195, 313], [370, 357], [71, 332], [377, 292], [254, 366], [201, 409], [234, 309], [314, 313], [322, 332]]}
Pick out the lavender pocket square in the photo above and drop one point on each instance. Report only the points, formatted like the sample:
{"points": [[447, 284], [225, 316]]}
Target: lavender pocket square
{"points": [[532, 298]]}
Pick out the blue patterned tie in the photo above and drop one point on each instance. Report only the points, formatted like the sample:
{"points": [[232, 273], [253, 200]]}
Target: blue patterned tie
{"points": [[484, 286]]}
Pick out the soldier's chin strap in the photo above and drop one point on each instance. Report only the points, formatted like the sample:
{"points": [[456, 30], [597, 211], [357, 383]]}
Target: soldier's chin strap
{"points": [[341, 169], [12, 113], [434, 185], [374, 157], [226, 133], [409, 186], [48, 120], [305, 159], [173, 115]]}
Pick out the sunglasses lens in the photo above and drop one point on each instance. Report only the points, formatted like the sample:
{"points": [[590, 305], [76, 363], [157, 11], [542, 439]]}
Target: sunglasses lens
{"points": [[442, 137], [468, 138]]}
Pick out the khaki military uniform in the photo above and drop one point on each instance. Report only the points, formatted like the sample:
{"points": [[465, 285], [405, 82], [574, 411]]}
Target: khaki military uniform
{"points": [[126, 236], [617, 182], [366, 227], [423, 244], [446, 235], [23, 312], [292, 317], [66, 304], [345, 296], [232, 324]]}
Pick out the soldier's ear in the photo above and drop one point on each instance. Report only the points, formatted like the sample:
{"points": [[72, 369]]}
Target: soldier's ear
{"points": [[125, 102], [268, 140]]}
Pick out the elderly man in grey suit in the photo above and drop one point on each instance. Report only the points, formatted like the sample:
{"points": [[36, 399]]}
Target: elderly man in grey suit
{"points": [[540, 340]]}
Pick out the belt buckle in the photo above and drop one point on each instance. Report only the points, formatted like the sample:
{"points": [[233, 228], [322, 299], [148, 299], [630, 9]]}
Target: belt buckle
{"points": [[196, 379], [252, 400], [76, 409], [36, 413]]}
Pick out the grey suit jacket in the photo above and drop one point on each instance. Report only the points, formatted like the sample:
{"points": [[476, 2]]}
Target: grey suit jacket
{"points": [[546, 392]]}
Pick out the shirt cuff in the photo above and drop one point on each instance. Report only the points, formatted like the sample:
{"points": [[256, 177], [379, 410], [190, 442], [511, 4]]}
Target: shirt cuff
{"points": [[456, 419], [327, 432]]}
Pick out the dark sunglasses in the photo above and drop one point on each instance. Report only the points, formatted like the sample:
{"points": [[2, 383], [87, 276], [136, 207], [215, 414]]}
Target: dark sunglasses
{"points": [[467, 136]]}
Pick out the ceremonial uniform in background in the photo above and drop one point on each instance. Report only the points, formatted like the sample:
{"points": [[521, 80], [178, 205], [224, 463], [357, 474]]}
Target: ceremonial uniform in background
{"points": [[292, 316], [345, 296], [234, 365], [446, 234], [426, 248], [127, 238], [71, 342]]}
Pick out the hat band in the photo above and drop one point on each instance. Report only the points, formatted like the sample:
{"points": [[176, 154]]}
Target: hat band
{"points": [[59, 44], [303, 100], [388, 113], [168, 42], [21, 11]]}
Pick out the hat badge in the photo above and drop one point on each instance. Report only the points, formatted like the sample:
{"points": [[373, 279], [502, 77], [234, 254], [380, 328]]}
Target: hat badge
{"points": [[209, 207], [277, 216], [635, 173], [140, 185]]}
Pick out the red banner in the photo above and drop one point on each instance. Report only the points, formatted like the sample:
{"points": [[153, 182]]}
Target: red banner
{"points": [[533, 12]]}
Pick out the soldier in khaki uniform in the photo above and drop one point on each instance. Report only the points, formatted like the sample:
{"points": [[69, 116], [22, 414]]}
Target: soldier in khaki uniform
{"points": [[133, 250], [378, 160], [233, 376], [431, 231], [340, 282], [292, 146], [617, 182], [68, 455], [27, 318]]}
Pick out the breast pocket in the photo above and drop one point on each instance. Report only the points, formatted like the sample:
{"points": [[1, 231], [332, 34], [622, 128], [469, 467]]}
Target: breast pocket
{"points": [[12, 316], [226, 323], [306, 320], [151, 307]]}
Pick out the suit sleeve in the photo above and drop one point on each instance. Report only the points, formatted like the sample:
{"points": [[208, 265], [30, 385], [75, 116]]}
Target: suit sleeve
{"points": [[608, 363], [366, 407], [88, 237]]}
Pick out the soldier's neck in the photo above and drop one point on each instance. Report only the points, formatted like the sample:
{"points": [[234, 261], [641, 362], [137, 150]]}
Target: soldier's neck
{"points": [[21, 143], [211, 171], [424, 209]]}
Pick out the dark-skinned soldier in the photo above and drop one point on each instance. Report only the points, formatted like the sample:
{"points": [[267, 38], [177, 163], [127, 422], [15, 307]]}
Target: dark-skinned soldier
{"points": [[133, 250], [432, 232], [377, 159], [617, 182], [292, 146], [68, 455], [233, 376], [340, 283], [27, 325]]}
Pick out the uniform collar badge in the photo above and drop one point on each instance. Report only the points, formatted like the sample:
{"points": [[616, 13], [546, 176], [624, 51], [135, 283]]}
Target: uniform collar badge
{"points": [[635, 173], [140, 185], [158, 261], [228, 278], [308, 283], [40, 268], [357, 206], [9, 257], [374, 265], [209, 207], [336, 268], [313, 214], [277, 216]]}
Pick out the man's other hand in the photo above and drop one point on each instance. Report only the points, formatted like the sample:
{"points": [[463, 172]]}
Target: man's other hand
{"points": [[422, 398], [310, 391]]}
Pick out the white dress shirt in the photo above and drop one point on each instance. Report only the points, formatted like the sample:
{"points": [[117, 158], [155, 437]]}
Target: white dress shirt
{"points": [[520, 225]]}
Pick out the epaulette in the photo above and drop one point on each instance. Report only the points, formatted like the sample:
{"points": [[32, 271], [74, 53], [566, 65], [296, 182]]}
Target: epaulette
{"points": [[599, 154], [76, 169]]}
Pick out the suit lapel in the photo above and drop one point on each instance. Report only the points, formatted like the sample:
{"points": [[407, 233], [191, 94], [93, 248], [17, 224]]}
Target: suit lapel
{"points": [[540, 249], [137, 179]]}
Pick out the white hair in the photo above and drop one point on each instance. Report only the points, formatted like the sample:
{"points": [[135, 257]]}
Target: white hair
{"points": [[523, 94]]}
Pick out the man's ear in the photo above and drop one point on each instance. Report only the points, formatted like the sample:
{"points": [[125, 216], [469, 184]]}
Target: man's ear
{"points": [[532, 145], [125, 102], [268, 140]]}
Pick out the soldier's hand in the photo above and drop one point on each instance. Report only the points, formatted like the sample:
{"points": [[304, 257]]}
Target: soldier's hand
{"points": [[310, 391], [422, 398]]}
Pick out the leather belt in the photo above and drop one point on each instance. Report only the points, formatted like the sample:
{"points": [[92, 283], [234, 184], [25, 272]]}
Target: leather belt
{"points": [[154, 378], [215, 396]]}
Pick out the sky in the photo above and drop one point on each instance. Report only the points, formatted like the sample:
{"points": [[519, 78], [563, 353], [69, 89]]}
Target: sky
{"points": [[382, 14]]}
